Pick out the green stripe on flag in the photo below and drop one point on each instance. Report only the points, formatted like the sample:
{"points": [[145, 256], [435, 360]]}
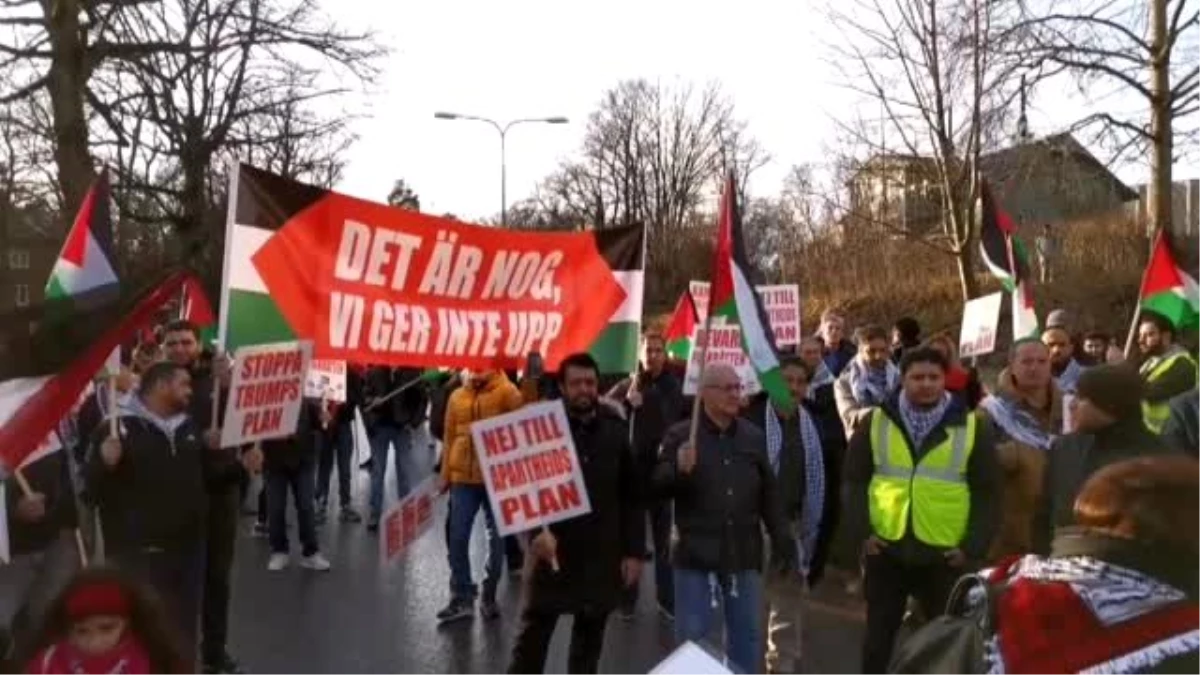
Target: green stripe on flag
{"points": [[616, 348], [255, 319]]}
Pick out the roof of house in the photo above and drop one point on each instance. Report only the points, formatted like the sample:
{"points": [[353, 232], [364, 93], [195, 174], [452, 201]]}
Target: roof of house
{"points": [[1005, 164]]}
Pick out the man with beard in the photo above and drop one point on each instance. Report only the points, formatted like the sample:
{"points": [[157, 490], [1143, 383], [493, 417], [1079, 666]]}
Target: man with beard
{"points": [[870, 379], [1167, 369], [581, 565], [1064, 366], [149, 483], [181, 343], [653, 399]]}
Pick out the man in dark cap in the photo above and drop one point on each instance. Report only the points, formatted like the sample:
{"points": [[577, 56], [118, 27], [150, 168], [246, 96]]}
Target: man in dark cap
{"points": [[1107, 427]]}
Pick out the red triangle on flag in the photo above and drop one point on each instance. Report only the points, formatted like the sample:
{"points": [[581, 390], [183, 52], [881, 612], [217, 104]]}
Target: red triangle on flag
{"points": [[74, 249], [1162, 274], [195, 306]]}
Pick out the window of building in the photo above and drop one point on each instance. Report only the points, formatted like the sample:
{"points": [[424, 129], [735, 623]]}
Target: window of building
{"points": [[21, 297], [18, 259]]}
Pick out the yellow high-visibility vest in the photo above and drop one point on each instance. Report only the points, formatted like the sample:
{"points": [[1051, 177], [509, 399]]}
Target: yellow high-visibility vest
{"points": [[935, 491], [1155, 414]]}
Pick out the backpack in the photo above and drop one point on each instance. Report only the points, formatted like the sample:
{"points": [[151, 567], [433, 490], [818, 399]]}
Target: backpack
{"points": [[953, 642]]}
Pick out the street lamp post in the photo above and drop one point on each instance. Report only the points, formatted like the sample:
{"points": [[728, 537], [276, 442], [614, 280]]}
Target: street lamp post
{"points": [[501, 129]]}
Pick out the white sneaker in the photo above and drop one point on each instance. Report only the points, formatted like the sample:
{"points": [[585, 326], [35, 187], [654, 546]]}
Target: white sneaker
{"points": [[278, 562], [316, 562]]}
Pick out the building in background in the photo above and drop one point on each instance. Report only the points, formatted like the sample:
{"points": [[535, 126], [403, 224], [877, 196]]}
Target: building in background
{"points": [[1048, 180], [29, 246]]}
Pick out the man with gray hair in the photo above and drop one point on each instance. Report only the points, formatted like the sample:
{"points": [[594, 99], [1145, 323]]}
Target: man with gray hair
{"points": [[724, 491]]}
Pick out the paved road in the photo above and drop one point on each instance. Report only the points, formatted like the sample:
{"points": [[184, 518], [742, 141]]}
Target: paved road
{"points": [[359, 618]]}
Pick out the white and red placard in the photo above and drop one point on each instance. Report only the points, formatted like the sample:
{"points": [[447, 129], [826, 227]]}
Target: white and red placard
{"points": [[326, 380], [407, 521], [266, 392], [530, 467], [981, 318], [781, 302], [725, 347]]}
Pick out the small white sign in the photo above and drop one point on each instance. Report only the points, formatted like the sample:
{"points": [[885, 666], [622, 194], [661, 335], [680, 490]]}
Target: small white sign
{"points": [[781, 303], [530, 467], [981, 318], [326, 380], [725, 347], [266, 393], [690, 659]]}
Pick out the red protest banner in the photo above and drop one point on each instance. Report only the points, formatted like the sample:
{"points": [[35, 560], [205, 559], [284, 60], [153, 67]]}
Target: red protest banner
{"points": [[530, 467], [266, 392], [407, 521], [373, 284]]}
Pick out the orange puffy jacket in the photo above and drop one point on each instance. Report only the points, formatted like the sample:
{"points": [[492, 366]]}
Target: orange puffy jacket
{"points": [[469, 403]]}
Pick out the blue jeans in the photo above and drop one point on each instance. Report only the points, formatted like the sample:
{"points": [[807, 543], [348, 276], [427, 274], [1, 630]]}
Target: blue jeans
{"points": [[465, 502], [382, 436], [300, 480], [740, 595]]}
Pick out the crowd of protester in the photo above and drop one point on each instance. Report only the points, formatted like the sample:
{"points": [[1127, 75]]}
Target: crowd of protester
{"points": [[899, 466]]}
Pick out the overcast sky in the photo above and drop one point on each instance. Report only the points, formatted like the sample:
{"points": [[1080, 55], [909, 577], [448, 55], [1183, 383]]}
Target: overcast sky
{"points": [[534, 58]]}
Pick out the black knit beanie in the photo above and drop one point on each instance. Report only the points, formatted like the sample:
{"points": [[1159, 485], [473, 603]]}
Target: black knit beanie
{"points": [[1114, 388]]}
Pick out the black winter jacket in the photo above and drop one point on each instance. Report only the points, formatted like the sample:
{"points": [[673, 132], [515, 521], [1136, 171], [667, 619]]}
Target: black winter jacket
{"points": [[662, 407], [591, 547], [49, 476], [404, 409], [299, 449], [723, 504], [157, 495], [1072, 459]]}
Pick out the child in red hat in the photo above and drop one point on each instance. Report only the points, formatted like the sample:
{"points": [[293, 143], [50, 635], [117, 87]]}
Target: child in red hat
{"points": [[105, 623]]}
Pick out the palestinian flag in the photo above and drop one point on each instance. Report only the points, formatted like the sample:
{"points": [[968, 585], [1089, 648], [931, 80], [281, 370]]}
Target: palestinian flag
{"points": [[1006, 259], [618, 346], [195, 308], [681, 329], [1167, 289], [732, 297], [50, 356], [85, 265], [264, 203]]}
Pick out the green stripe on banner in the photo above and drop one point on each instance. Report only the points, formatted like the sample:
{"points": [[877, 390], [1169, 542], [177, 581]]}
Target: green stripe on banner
{"points": [[254, 319], [616, 348]]}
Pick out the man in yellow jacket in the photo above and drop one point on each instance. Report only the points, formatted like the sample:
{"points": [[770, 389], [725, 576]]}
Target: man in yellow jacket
{"points": [[486, 394], [1167, 369]]}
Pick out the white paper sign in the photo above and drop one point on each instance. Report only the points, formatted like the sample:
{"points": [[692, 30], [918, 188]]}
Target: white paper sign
{"points": [[690, 659], [981, 317], [326, 380], [408, 520], [726, 347], [266, 393], [530, 467], [781, 302]]}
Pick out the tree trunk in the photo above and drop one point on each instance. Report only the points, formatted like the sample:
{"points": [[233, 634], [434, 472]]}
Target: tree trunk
{"points": [[966, 272], [1160, 119], [67, 80]]}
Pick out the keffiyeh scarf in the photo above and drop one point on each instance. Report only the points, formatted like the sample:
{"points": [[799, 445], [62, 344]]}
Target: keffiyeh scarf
{"points": [[814, 476], [872, 386], [1069, 379], [1017, 422], [823, 377], [920, 423]]}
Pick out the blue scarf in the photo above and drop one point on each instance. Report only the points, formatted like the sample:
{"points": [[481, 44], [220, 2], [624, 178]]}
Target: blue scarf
{"points": [[813, 505], [1069, 379], [822, 378], [872, 386]]}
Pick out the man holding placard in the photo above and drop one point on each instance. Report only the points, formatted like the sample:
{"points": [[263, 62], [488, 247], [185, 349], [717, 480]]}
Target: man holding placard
{"points": [[582, 563]]}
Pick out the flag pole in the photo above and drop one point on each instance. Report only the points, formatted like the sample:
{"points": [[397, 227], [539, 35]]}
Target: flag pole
{"points": [[1137, 308], [113, 429], [19, 475], [703, 357]]}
